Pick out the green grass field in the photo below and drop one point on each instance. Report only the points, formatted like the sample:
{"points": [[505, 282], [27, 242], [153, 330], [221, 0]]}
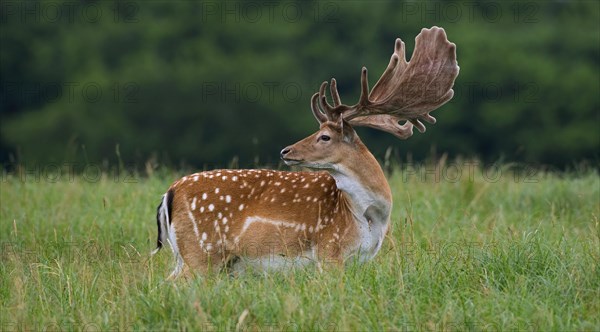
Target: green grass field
{"points": [[469, 252]]}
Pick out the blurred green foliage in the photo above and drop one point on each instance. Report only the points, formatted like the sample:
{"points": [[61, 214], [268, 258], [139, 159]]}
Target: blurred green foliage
{"points": [[205, 83]]}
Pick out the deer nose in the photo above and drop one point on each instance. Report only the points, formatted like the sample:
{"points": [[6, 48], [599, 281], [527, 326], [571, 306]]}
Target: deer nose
{"points": [[284, 152]]}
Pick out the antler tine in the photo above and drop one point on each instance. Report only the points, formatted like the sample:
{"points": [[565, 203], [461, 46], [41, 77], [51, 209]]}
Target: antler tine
{"points": [[330, 111], [387, 123], [334, 93], [363, 102], [418, 124], [397, 63], [364, 88], [314, 106]]}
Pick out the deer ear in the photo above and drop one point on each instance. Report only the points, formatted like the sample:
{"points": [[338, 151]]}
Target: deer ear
{"points": [[348, 133]]}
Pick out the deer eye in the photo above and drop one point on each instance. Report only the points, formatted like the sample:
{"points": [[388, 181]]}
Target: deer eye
{"points": [[324, 138]]}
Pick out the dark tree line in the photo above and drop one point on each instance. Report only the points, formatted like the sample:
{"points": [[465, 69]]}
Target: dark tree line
{"points": [[206, 83]]}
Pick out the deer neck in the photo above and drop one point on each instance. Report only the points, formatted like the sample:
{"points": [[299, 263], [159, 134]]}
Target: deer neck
{"points": [[364, 187]]}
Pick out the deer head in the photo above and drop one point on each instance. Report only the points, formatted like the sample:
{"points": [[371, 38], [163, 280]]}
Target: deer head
{"points": [[406, 91], [323, 149]]}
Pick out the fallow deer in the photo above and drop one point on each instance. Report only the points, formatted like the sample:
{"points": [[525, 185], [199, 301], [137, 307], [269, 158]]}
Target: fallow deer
{"points": [[266, 218]]}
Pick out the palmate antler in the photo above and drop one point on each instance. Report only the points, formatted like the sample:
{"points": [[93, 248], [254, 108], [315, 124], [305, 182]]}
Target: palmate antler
{"points": [[405, 91]]}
